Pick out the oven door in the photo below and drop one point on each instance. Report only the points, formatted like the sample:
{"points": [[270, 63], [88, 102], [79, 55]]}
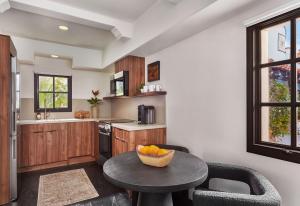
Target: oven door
{"points": [[105, 144]]}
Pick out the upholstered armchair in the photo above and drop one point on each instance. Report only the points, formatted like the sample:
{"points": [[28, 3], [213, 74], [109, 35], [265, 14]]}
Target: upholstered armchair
{"points": [[119, 199], [262, 192]]}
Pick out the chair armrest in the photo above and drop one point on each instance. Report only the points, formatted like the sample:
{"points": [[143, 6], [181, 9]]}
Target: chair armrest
{"points": [[212, 198]]}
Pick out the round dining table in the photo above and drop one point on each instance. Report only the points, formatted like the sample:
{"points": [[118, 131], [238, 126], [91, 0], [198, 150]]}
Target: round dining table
{"points": [[155, 185]]}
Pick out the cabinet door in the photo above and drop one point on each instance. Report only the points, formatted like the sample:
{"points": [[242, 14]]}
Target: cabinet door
{"points": [[33, 145], [149, 136], [56, 142], [80, 139], [86, 138], [116, 143], [120, 146], [52, 145], [74, 139], [120, 141]]}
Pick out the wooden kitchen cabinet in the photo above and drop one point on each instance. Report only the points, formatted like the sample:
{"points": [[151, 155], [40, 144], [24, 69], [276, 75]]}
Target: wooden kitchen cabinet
{"points": [[125, 141], [80, 139], [7, 50], [32, 145], [56, 144], [120, 141], [42, 144], [136, 67]]}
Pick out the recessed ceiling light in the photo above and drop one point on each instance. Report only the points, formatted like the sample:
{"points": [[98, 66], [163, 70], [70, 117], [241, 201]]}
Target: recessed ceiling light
{"points": [[63, 28], [54, 56]]}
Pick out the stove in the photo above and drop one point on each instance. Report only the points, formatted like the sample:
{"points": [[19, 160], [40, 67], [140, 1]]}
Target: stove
{"points": [[105, 138]]}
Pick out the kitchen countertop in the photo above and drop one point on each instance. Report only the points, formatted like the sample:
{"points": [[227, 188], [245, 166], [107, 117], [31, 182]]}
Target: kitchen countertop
{"points": [[133, 126], [45, 121]]}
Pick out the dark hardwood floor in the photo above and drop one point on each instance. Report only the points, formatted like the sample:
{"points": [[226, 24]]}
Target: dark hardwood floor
{"points": [[30, 183]]}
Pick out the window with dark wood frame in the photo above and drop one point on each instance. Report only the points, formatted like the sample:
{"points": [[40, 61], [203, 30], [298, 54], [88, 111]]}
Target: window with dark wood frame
{"points": [[53, 92], [273, 87]]}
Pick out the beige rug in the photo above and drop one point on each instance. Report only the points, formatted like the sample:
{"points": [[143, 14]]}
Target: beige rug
{"points": [[65, 188]]}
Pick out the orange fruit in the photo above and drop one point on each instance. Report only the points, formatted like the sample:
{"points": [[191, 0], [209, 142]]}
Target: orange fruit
{"points": [[162, 152], [144, 150], [153, 149]]}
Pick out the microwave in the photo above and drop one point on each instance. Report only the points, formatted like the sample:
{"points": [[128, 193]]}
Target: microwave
{"points": [[119, 84]]}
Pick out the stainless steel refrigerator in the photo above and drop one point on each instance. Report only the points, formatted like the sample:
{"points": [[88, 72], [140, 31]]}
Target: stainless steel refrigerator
{"points": [[14, 113]]}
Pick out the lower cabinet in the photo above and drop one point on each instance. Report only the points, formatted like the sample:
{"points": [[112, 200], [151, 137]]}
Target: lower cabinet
{"points": [[120, 141], [56, 142], [125, 141], [80, 139], [50, 145]]}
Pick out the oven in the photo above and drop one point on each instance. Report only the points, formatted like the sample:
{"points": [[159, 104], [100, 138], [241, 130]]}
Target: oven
{"points": [[105, 142], [105, 138]]}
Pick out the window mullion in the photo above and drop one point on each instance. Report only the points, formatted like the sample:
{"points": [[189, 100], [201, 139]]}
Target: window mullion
{"points": [[294, 85], [256, 62], [53, 95]]}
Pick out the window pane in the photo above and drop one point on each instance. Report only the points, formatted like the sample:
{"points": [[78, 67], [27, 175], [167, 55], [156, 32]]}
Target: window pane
{"points": [[61, 100], [276, 83], [298, 38], [276, 43], [46, 99], [61, 84], [275, 125], [298, 127], [298, 81], [45, 84]]}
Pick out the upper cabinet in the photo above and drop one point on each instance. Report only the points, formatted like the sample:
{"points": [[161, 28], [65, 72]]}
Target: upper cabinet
{"points": [[136, 67]]}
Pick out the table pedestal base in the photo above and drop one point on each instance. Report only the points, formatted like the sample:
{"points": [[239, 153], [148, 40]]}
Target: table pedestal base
{"points": [[155, 199]]}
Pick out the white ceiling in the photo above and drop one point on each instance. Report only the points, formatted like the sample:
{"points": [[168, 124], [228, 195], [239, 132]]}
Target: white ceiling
{"points": [[128, 10], [34, 26]]}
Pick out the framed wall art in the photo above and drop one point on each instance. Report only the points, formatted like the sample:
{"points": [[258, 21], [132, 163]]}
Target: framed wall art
{"points": [[154, 71]]}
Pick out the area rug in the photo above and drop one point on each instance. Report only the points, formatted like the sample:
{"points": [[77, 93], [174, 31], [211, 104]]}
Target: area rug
{"points": [[65, 188]]}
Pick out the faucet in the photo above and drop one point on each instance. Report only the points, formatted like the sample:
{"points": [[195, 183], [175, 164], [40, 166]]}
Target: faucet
{"points": [[46, 114]]}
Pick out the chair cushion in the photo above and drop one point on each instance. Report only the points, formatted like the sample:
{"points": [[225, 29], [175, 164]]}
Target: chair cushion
{"points": [[119, 199]]}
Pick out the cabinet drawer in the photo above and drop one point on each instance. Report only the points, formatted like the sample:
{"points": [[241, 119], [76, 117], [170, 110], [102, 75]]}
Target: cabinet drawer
{"points": [[32, 128], [121, 135]]}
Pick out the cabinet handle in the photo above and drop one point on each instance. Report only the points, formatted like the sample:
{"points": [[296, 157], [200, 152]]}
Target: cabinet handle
{"points": [[122, 140], [51, 131], [38, 132]]}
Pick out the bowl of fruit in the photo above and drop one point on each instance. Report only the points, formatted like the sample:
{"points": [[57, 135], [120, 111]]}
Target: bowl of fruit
{"points": [[154, 156]]}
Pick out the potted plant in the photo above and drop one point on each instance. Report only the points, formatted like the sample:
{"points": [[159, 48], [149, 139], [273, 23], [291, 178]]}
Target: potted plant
{"points": [[94, 102]]}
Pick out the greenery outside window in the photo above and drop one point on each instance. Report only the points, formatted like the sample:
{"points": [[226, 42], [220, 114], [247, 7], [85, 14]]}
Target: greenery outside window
{"points": [[52, 92], [273, 87]]}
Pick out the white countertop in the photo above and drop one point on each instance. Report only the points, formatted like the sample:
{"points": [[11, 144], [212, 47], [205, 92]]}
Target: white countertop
{"points": [[133, 126], [45, 121]]}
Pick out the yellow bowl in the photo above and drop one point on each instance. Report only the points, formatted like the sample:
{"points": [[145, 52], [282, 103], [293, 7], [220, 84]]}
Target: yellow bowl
{"points": [[156, 161]]}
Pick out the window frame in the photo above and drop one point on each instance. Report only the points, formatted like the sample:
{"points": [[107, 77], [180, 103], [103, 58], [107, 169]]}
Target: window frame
{"points": [[36, 94], [253, 49]]}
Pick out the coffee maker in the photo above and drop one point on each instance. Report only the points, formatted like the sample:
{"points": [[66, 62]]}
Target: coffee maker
{"points": [[146, 114]]}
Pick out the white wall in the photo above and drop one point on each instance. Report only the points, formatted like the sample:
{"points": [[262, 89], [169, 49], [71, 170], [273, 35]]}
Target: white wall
{"points": [[205, 77], [128, 108], [82, 58], [82, 81]]}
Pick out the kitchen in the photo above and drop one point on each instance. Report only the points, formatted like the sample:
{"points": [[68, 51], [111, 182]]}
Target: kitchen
{"points": [[61, 121], [152, 102], [51, 134]]}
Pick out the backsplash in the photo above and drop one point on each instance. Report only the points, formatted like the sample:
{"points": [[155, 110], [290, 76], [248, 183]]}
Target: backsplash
{"points": [[128, 108], [27, 109]]}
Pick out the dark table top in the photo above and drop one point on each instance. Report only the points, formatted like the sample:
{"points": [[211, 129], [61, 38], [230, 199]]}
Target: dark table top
{"points": [[127, 171]]}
